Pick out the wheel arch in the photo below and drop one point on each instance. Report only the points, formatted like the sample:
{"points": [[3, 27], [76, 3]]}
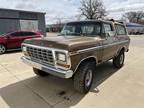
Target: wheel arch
{"points": [[87, 59], [3, 45], [121, 49]]}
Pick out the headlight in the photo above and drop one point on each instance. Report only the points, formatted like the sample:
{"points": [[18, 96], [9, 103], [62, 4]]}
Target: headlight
{"points": [[61, 57], [24, 49], [62, 60]]}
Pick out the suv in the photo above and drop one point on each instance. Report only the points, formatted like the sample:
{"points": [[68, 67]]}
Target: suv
{"points": [[13, 41], [77, 50]]}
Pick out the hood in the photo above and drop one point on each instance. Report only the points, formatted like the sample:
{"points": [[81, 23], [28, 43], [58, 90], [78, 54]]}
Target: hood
{"points": [[70, 43]]}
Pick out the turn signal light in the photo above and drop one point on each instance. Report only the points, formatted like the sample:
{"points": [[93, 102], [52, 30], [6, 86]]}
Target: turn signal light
{"points": [[63, 65]]}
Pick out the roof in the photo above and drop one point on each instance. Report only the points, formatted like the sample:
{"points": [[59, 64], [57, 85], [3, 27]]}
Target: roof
{"points": [[106, 21], [83, 21], [4, 9], [134, 25]]}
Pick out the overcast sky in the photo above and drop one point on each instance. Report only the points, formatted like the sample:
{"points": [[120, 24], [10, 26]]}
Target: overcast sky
{"points": [[68, 9]]}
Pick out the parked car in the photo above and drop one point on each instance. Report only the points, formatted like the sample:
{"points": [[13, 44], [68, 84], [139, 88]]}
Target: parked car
{"points": [[77, 51], [13, 40], [135, 29]]}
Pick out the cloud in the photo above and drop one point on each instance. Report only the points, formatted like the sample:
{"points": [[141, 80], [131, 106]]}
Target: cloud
{"points": [[68, 9], [117, 8], [25, 6]]}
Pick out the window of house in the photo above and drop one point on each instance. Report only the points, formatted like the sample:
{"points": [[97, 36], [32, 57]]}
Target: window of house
{"points": [[31, 25]]}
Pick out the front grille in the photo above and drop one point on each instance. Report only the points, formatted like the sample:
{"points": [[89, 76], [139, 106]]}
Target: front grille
{"points": [[42, 56]]}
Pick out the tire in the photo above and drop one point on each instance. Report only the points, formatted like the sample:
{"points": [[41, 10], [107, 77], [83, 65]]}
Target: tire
{"points": [[40, 72], [81, 77], [118, 61], [2, 49]]}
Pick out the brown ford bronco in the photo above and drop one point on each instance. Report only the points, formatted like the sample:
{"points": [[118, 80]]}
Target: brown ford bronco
{"points": [[76, 51]]}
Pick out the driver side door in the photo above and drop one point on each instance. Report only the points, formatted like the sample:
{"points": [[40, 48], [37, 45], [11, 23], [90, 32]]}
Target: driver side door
{"points": [[14, 40], [109, 41]]}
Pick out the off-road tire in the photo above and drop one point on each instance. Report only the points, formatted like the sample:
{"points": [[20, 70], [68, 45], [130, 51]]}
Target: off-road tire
{"points": [[80, 75], [117, 62], [40, 72]]}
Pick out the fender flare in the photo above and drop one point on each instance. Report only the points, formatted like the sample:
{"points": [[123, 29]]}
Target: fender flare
{"points": [[84, 59]]}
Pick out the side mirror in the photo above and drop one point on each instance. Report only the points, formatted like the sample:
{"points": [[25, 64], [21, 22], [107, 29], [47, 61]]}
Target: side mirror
{"points": [[110, 34]]}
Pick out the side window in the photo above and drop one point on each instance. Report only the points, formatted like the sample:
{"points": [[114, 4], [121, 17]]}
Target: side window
{"points": [[28, 34], [31, 34], [120, 29], [107, 28], [16, 34]]}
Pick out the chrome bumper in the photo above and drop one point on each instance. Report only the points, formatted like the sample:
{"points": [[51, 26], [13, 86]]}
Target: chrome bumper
{"points": [[50, 70]]}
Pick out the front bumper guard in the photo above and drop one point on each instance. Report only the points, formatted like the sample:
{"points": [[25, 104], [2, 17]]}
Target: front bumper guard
{"points": [[53, 71]]}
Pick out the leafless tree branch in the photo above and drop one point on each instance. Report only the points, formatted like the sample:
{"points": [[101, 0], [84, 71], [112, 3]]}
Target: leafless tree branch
{"points": [[92, 9], [135, 17]]}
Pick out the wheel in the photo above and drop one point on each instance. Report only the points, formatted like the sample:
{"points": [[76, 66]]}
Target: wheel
{"points": [[40, 72], [2, 49], [83, 77], [118, 61]]}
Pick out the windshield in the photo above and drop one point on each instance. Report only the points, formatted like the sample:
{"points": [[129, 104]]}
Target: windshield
{"points": [[82, 29]]}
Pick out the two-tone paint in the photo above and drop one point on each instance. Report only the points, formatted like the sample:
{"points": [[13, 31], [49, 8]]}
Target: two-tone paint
{"points": [[80, 48]]}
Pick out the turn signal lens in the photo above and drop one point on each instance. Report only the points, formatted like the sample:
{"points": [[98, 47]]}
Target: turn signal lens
{"points": [[63, 65]]}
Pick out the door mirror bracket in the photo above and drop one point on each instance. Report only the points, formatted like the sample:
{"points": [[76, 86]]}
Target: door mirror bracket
{"points": [[110, 34]]}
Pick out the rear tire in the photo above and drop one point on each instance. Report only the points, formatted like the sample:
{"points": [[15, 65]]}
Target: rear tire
{"points": [[40, 72], [2, 49], [83, 77], [118, 61]]}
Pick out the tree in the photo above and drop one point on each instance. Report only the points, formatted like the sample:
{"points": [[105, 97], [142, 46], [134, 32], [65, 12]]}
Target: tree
{"points": [[135, 17], [92, 9]]}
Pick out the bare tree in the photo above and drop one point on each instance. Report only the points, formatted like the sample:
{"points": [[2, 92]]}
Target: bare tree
{"points": [[92, 9], [135, 17], [140, 16]]}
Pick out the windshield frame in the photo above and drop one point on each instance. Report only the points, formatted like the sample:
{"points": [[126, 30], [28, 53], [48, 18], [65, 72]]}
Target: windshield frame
{"points": [[83, 23]]}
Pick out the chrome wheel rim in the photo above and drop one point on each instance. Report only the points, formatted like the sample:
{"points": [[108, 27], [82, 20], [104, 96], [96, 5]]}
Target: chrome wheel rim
{"points": [[121, 59], [88, 78], [2, 49]]}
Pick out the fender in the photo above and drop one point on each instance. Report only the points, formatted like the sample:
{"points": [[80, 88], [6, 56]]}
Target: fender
{"points": [[119, 50], [84, 60]]}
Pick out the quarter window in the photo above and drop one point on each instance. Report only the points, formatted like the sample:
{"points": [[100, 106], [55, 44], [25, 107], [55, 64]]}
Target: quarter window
{"points": [[120, 29]]}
